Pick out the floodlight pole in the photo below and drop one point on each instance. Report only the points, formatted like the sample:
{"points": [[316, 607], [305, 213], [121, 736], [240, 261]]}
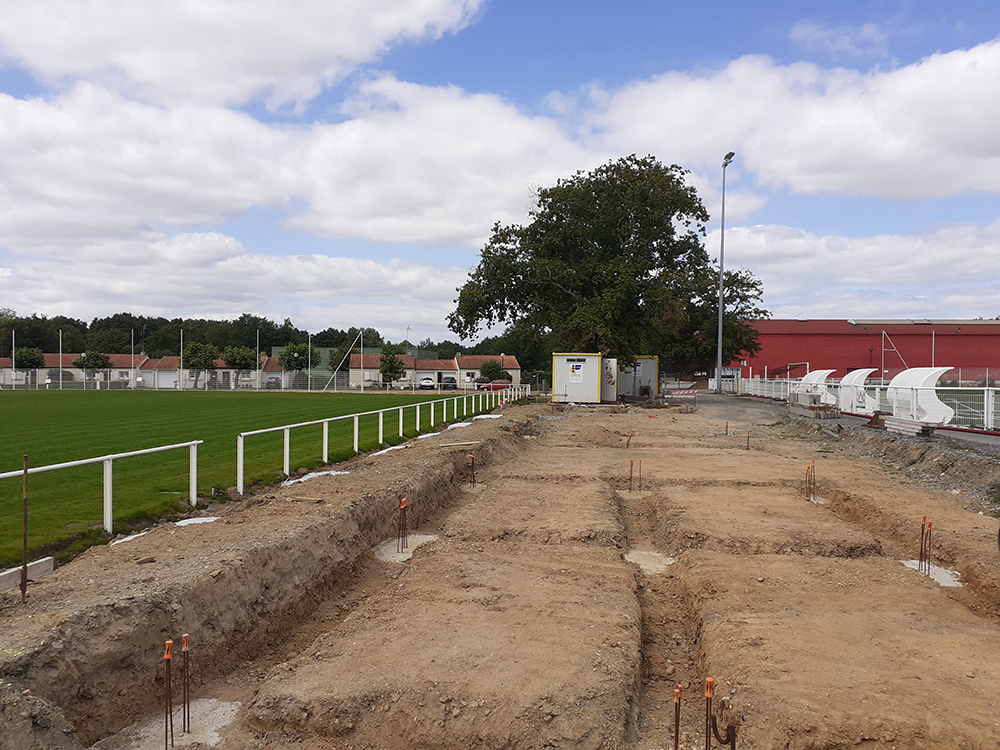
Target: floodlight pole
{"points": [[722, 254]]}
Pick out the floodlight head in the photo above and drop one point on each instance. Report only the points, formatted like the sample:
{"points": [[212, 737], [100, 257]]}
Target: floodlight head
{"points": [[728, 159]]}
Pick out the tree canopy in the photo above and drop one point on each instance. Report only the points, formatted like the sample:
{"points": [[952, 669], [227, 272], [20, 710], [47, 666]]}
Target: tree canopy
{"points": [[92, 361], [297, 357], [391, 366], [612, 261], [29, 358]]}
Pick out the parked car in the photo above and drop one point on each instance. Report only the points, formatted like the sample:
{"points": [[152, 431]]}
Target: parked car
{"points": [[272, 383], [494, 385], [426, 384], [449, 383]]}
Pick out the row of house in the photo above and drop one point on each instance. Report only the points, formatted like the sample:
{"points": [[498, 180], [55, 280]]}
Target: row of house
{"points": [[463, 367], [166, 373]]}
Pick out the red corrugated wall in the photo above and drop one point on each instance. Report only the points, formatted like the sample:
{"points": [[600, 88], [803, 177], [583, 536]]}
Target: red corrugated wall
{"points": [[841, 346]]}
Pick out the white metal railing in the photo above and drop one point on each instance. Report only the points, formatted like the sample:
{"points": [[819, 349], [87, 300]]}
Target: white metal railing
{"points": [[481, 401], [975, 408], [192, 446]]}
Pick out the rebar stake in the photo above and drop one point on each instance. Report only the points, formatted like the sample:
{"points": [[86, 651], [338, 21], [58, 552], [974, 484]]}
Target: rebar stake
{"points": [[401, 536], [677, 715], [168, 702], [640, 475], [186, 689], [631, 465], [709, 689], [923, 544], [748, 439], [927, 552], [472, 457], [729, 739], [727, 429], [628, 439]]}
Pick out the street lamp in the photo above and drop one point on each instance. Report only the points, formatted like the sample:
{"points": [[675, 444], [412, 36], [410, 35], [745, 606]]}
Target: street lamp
{"points": [[722, 254]]}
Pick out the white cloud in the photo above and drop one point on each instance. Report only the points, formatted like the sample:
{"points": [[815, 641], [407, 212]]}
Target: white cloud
{"points": [[212, 275], [866, 40], [436, 165], [922, 131], [218, 51], [945, 268]]}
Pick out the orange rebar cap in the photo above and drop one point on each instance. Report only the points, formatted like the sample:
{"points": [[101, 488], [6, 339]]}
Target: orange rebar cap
{"points": [[402, 503], [170, 645], [709, 687]]}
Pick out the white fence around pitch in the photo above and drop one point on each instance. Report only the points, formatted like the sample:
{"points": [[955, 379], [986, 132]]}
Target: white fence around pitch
{"points": [[108, 460], [481, 401], [975, 408]]}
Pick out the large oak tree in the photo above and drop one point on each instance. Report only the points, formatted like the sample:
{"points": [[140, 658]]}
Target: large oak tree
{"points": [[612, 261]]}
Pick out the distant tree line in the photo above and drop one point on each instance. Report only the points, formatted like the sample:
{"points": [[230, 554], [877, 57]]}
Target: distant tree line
{"points": [[205, 339]]}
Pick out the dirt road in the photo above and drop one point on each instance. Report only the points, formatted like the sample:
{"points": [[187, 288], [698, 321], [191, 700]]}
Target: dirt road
{"points": [[555, 603]]}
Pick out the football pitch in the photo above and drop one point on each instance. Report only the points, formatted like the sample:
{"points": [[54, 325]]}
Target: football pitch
{"points": [[66, 506]]}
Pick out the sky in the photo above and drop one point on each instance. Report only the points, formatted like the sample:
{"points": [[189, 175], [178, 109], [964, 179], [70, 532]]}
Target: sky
{"points": [[341, 162]]}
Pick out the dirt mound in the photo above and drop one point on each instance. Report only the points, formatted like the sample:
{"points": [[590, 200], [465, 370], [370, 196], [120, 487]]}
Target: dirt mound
{"points": [[31, 723]]}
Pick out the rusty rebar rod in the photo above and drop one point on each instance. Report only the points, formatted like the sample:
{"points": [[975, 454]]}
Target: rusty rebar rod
{"points": [[168, 701], [709, 688], [631, 466], [748, 439], [472, 458], [923, 544], [677, 715], [729, 739], [640, 475], [402, 534], [186, 685]]}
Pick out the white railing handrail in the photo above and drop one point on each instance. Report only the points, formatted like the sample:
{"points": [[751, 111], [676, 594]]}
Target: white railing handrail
{"points": [[108, 460], [97, 459], [492, 398], [974, 407]]}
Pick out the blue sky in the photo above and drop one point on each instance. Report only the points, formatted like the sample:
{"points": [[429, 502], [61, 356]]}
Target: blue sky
{"points": [[339, 165]]}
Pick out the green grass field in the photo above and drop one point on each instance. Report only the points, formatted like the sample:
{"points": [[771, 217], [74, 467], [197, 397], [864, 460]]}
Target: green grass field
{"points": [[65, 506]]}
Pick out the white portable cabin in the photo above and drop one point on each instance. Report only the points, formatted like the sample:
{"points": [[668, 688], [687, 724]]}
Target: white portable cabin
{"points": [[577, 377], [912, 395], [854, 399], [642, 380]]}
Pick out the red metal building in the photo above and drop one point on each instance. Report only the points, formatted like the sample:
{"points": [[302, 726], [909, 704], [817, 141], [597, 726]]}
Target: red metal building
{"points": [[791, 348]]}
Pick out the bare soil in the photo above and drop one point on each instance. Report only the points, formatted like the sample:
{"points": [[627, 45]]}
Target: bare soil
{"points": [[556, 602]]}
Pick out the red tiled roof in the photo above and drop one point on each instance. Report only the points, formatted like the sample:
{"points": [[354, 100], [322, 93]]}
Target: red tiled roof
{"points": [[374, 361], [475, 361], [435, 364]]}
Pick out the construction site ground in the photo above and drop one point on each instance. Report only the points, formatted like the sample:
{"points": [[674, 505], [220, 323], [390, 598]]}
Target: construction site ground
{"points": [[552, 599]]}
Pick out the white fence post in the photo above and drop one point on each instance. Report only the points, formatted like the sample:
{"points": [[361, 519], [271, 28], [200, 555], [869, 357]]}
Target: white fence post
{"points": [[381, 414], [108, 497], [356, 419], [326, 441], [431, 404], [286, 464], [239, 463], [401, 421], [418, 418], [193, 474]]}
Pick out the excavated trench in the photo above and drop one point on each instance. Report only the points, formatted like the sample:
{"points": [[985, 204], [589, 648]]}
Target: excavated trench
{"points": [[557, 607], [87, 642]]}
